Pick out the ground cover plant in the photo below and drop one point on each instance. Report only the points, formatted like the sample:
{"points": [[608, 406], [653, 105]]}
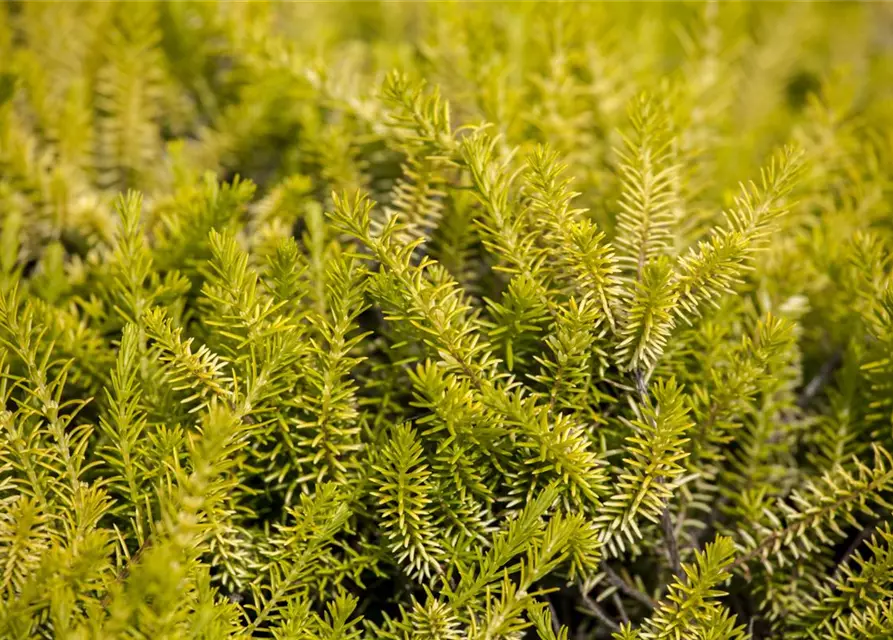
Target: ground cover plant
{"points": [[446, 321]]}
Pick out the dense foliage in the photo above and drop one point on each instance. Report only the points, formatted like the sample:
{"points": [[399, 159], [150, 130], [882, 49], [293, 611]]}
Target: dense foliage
{"points": [[446, 321]]}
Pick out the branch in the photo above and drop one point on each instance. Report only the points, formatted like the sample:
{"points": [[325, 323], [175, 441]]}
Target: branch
{"points": [[627, 588], [818, 382], [672, 544], [556, 626], [618, 602], [850, 550], [593, 607], [124, 572]]}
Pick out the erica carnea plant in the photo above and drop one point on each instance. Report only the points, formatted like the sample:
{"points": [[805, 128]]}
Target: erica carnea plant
{"points": [[443, 321]]}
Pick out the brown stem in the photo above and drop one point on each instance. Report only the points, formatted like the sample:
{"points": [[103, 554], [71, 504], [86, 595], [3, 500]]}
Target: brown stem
{"points": [[620, 608], [593, 607], [850, 550], [627, 588], [666, 522], [125, 570], [814, 386]]}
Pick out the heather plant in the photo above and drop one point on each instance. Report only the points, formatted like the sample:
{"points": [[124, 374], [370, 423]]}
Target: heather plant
{"points": [[443, 320]]}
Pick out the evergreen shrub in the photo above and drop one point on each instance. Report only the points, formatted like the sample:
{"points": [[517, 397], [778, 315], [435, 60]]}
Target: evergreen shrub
{"points": [[440, 321]]}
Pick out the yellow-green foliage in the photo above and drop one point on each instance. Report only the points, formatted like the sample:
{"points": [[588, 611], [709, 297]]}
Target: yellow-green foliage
{"points": [[446, 320]]}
